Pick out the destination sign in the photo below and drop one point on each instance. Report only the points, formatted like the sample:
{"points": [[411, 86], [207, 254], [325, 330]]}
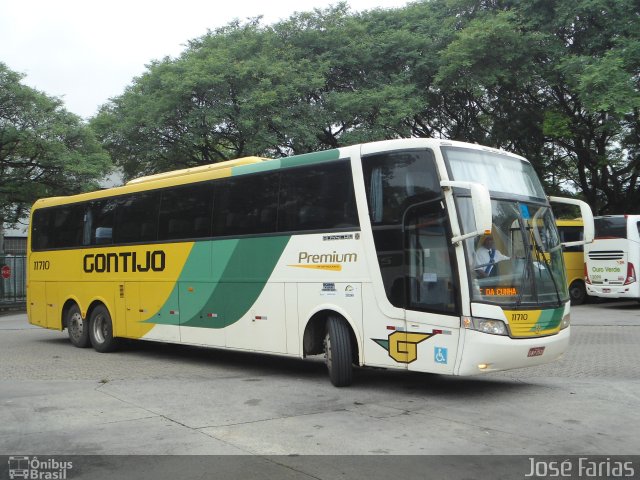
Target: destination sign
{"points": [[499, 291]]}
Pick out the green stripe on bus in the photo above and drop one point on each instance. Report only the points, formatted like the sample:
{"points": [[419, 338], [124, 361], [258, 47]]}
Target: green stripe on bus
{"points": [[256, 167], [549, 319], [164, 316], [310, 158], [196, 269], [287, 162], [247, 272], [241, 269]]}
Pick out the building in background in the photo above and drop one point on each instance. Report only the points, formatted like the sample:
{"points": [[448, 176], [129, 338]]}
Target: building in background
{"points": [[13, 256]]}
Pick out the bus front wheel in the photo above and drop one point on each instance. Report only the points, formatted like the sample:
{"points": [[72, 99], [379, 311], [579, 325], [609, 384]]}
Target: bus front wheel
{"points": [[78, 328], [338, 352], [577, 292], [101, 330]]}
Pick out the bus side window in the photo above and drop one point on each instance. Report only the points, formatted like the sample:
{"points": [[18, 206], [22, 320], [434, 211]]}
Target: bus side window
{"points": [[99, 222], [68, 225], [572, 234], [59, 227], [40, 226], [317, 197], [185, 212], [137, 218], [242, 205]]}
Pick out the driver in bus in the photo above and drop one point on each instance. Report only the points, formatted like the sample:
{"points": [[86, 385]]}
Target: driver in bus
{"points": [[486, 257]]}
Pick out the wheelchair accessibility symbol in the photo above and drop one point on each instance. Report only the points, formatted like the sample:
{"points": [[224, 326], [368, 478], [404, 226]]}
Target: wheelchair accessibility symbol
{"points": [[440, 355]]}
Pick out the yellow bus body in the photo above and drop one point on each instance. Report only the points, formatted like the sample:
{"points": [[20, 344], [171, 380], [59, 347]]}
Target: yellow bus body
{"points": [[573, 259]]}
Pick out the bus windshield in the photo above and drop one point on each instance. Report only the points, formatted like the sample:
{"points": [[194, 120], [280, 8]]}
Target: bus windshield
{"points": [[611, 227], [498, 172], [520, 263]]}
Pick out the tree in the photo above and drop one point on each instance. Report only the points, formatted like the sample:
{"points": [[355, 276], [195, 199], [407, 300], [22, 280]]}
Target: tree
{"points": [[595, 89], [559, 82], [44, 149], [312, 82], [233, 92]]}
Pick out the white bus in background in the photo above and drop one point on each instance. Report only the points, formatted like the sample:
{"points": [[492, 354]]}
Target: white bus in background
{"points": [[612, 260]]}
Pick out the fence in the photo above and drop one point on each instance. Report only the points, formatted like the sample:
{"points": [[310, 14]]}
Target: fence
{"points": [[13, 280]]}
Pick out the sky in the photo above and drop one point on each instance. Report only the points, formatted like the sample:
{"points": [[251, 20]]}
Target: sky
{"points": [[87, 51]]}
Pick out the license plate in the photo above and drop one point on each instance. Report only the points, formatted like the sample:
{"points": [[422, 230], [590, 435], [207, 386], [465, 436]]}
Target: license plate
{"points": [[535, 352], [606, 290]]}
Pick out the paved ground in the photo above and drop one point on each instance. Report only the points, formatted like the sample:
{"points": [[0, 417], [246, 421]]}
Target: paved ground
{"points": [[164, 399]]}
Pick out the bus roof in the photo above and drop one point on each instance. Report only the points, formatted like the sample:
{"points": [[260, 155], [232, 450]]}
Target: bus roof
{"points": [[199, 169], [202, 173], [254, 164]]}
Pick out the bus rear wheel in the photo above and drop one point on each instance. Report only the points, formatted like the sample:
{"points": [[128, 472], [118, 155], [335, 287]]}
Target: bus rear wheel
{"points": [[78, 328], [577, 292], [101, 330], [338, 352]]}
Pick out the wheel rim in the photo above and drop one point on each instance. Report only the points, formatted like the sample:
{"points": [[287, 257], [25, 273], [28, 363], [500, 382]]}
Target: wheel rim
{"points": [[76, 325], [99, 328], [327, 351]]}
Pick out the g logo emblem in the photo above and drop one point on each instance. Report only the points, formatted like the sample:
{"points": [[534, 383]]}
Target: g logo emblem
{"points": [[403, 346]]}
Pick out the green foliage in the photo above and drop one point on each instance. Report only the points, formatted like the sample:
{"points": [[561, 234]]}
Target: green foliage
{"points": [[557, 82], [44, 150], [604, 85], [573, 68], [556, 125]]}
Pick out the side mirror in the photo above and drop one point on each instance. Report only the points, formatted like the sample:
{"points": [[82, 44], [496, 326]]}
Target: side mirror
{"points": [[587, 219], [481, 202]]}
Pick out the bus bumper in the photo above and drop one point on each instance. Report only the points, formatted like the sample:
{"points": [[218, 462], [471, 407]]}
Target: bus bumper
{"points": [[490, 353], [614, 291]]}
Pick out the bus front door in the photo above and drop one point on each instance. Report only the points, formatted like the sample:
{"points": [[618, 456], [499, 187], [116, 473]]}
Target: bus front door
{"points": [[432, 303]]}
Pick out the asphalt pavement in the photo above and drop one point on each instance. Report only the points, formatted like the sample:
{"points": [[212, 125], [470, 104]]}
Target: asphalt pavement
{"points": [[284, 418]]}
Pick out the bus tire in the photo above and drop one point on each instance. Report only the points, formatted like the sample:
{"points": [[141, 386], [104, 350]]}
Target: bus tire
{"points": [[338, 352], [577, 292], [101, 330], [77, 328]]}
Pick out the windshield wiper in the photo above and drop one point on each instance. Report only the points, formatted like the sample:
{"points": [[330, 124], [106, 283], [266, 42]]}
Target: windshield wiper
{"points": [[540, 253], [526, 271], [538, 245]]}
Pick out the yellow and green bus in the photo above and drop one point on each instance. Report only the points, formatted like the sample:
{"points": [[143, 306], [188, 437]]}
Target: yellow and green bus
{"points": [[572, 231], [363, 254]]}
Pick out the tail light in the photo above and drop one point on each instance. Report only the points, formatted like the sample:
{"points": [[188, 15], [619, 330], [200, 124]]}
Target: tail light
{"points": [[631, 274], [586, 275]]}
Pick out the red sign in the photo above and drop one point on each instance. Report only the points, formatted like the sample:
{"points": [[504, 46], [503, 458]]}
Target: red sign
{"points": [[5, 271]]}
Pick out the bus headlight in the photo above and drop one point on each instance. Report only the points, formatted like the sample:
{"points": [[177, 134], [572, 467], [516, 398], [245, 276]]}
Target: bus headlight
{"points": [[566, 321], [486, 325]]}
